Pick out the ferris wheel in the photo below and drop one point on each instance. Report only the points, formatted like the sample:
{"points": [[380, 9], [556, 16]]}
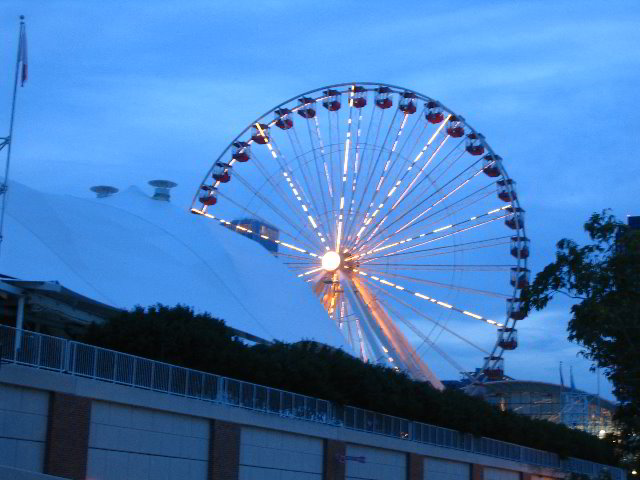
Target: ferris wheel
{"points": [[397, 213]]}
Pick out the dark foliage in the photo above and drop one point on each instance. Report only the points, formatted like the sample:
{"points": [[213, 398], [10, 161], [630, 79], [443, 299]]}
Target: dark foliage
{"points": [[176, 335], [603, 277]]}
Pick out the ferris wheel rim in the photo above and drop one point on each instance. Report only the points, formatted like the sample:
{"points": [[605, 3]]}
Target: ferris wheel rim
{"points": [[496, 353]]}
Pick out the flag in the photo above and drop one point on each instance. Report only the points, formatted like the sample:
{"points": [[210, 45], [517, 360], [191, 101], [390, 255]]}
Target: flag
{"points": [[23, 56]]}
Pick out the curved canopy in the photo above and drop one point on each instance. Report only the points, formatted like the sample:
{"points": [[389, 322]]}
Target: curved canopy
{"points": [[127, 250]]}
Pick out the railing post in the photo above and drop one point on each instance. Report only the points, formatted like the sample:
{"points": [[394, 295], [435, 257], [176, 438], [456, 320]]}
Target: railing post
{"points": [[74, 367], [153, 380], [39, 350], [135, 370], [63, 355], [253, 400], [95, 361]]}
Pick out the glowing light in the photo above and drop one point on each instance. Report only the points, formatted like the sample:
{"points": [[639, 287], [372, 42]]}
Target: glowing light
{"points": [[293, 247], [310, 271], [346, 155], [331, 261]]}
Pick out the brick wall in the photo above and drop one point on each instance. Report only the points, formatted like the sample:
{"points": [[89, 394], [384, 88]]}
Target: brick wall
{"points": [[477, 472], [415, 466], [67, 436], [224, 450], [334, 468]]}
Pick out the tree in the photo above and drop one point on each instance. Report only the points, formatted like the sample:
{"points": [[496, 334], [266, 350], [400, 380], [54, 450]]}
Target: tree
{"points": [[603, 278]]}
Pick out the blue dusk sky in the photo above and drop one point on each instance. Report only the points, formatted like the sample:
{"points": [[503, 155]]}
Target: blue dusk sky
{"points": [[122, 92]]}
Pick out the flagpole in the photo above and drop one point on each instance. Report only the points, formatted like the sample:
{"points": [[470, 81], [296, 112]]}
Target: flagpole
{"points": [[8, 140]]}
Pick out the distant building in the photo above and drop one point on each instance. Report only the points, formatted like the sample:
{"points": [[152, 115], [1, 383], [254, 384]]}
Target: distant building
{"points": [[258, 230], [555, 403]]}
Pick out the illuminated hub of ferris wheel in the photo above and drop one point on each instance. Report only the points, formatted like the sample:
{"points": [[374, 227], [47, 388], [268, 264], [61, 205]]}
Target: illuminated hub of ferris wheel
{"points": [[398, 214]]}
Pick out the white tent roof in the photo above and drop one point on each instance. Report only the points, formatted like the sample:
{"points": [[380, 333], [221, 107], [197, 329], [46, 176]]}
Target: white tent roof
{"points": [[128, 250]]}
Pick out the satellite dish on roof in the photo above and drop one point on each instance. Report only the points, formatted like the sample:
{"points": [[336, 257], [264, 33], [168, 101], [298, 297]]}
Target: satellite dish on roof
{"points": [[162, 189], [103, 191]]}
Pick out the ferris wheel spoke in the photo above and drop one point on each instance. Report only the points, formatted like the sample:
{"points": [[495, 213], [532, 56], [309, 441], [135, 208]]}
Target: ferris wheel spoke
{"points": [[436, 267], [401, 214], [413, 188], [331, 169], [399, 181], [404, 355], [301, 154], [438, 216], [301, 231], [426, 165], [296, 189], [432, 283], [443, 250], [371, 168], [272, 183], [328, 175], [411, 240], [399, 178], [368, 218], [426, 338], [243, 230], [345, 174], [428, 298], [362, 205], [374, 165], [301, 259], [436, 203], [357, 168], [301, 167]]}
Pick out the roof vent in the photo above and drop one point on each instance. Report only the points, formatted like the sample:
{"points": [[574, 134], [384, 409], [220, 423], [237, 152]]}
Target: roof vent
{"points": [[103, 191], [162, 189]]}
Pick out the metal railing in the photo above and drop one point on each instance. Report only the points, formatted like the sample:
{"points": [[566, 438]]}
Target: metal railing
{"points": [[74, 358]]}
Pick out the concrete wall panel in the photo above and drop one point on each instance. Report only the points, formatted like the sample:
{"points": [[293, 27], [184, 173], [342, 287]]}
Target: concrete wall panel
{"points": [[379, 464], [438, 469], [268, 454], [500, 474], [23, 427], [138, 444]]}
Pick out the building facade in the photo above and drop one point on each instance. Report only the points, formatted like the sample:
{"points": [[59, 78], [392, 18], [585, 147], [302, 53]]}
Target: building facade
{"points": [[80, 412], [555, 403]]}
